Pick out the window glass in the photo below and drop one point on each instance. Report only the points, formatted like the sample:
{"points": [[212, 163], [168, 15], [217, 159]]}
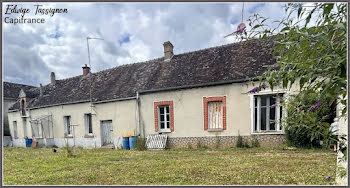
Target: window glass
{"points": [[263, 119], [266, 109]]}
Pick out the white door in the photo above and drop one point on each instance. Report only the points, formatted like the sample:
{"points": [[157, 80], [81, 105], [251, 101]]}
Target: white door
{"points": [[106, 132]]}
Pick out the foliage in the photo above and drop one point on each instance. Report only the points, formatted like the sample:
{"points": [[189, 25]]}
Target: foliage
{"points": [[306, 125], [241, 143], [6, 130], [229, 166], [200, 145], [69, 150], [140, 144], [217, 142], [255, 142], [311, 51]]}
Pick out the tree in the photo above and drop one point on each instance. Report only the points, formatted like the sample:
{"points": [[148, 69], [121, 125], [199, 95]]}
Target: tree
{"points": [[311, 50]]}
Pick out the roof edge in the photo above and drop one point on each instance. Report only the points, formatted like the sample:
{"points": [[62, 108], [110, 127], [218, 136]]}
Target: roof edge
{"points": [[199, 85]]}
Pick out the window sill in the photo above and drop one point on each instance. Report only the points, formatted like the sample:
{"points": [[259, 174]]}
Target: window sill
{"points": [[89, 136], [215, 130], [164, 132], [269, 132], [68, 136]]}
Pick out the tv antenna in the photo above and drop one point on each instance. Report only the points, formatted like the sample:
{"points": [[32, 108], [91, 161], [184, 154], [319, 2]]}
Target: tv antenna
{"points": [[91, 87], [240, 27], [87, 40]]}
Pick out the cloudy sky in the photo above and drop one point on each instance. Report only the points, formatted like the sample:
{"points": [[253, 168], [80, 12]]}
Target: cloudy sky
{"points": [[132, 32]]}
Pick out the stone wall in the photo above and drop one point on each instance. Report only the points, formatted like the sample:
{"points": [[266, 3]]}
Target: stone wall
{"points": [[266, 140]]}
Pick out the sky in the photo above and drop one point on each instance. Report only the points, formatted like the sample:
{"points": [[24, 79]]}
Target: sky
{"points": [[131, 32]]}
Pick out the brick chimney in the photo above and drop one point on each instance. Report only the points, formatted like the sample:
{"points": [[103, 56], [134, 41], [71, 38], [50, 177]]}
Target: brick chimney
{"points": [[53, 78], [168, 51], [86, 70]]}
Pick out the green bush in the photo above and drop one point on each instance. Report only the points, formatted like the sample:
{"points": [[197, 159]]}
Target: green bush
{"points": [[308, 121], [241, 143], [255, 142], [140, 144]]}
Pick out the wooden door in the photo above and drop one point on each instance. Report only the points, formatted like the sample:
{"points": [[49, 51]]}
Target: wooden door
{"points": [[106, 132]]}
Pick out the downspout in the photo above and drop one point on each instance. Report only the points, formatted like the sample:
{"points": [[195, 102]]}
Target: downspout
{"points": [[138, 127]]}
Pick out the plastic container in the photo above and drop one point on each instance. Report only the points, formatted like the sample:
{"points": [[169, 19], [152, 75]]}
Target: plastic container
{"points": [[125, 143], [30, 141], [132, 141], [27, 142]]}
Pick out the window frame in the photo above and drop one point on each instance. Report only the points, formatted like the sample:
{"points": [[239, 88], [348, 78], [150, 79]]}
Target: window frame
{"points": [[65, 121], [87, 124], [277, 119], [157, 106], [206, 100]]}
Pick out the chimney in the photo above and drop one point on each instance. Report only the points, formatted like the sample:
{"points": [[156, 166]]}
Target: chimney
{"points": [[41, 90], [168, 51], [53, 78], [86, 70]]}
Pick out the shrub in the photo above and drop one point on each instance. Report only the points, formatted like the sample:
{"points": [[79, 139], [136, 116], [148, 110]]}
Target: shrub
{"points": [[140, 144], [69, 150], [241, 143], [255, 142], [218, 142], [308, 120]]}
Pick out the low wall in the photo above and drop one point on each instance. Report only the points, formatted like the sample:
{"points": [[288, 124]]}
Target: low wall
{"points": [[86, 143], [6, 141], [266, 140]]}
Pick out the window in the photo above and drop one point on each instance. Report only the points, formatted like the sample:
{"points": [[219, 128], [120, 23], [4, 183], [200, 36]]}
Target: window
{"points": [[15, 129], [23, 111], [214, 113], [164, 116], [88, 124], [67, 126], [267, 113]]}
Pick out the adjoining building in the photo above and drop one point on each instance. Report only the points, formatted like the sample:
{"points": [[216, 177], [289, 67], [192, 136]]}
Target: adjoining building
{"points": [[11, 93], [193, 97]]}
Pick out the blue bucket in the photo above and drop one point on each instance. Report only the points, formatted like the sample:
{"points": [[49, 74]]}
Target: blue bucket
{"points": [[132, 140], [125, 143]]}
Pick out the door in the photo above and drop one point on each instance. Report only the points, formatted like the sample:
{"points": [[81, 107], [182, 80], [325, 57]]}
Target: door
{"points": [[106, 132]]}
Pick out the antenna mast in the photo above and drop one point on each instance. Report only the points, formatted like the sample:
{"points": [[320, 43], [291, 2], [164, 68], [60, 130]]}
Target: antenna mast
{"points": [[91, 80]]}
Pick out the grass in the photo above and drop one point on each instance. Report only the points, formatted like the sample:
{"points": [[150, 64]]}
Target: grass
{"points": [[233, 166]]}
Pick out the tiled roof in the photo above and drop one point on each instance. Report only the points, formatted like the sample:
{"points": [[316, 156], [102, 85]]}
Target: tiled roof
{"points": [[236, 61], [11, 90]]}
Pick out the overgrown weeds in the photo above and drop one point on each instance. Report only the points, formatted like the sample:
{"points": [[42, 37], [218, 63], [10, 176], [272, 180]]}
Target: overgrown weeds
{"points": [[140, 144]]}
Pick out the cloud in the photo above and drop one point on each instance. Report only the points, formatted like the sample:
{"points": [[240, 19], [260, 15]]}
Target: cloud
{"points": [[132, 32]]}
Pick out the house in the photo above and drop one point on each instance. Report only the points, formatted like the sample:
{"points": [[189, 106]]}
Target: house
{"points": [[11, 93], [199, 96]]}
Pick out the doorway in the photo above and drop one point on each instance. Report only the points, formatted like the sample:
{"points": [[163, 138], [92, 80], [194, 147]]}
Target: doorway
{"points": [[106, 132]]}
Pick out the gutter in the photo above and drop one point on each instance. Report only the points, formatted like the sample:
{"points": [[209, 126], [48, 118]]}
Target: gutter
{"points": [[199, 85], [112, 100]]}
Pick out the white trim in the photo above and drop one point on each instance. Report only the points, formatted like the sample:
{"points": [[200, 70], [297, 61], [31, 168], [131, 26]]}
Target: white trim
{"points": [[166, 129], [252, 110]]}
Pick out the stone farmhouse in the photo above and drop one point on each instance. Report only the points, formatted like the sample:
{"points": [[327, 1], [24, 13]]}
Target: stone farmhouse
{"points": [[198, 96]]}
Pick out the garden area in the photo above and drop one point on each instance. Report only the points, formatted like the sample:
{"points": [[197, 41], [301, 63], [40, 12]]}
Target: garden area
{"points": [[230, 166]]}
